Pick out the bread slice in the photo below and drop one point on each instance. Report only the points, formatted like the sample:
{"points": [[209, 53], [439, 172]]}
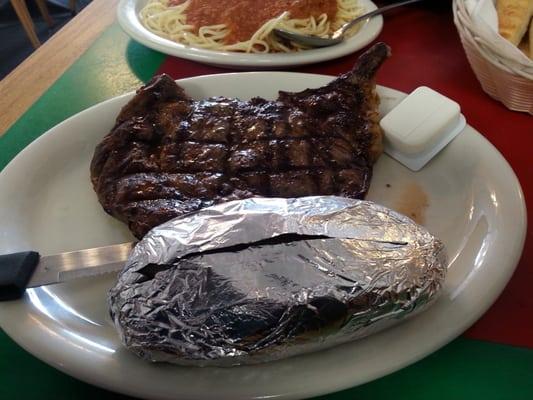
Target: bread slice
{"points": [[513, 18]]}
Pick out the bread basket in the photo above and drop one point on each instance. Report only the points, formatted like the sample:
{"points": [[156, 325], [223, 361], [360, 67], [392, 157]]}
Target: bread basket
{"points": [[503, 79]]}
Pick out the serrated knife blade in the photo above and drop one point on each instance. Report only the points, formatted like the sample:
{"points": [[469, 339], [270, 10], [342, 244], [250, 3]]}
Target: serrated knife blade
{"points": [[19, 271], [80, 264]]}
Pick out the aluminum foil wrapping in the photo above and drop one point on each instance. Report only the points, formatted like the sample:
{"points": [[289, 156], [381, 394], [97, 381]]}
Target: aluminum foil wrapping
{"points": [[262, 279]]}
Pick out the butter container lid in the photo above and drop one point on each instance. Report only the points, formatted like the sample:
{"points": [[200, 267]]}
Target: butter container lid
{"points": [[421, 126]]}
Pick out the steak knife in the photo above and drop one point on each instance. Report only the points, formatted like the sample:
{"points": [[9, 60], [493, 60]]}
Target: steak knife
{"points": [[28, 269]]}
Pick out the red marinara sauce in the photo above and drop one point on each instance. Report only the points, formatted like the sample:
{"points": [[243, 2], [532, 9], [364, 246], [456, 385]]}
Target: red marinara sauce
{"points": [[245, 17]]}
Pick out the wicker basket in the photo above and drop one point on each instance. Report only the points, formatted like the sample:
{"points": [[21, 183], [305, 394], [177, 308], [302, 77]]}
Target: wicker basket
{"points": [[504, 80]]}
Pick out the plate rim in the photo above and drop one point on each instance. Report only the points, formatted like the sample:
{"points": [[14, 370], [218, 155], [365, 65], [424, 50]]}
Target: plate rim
{"points": [[128, 20], [325, 389]]}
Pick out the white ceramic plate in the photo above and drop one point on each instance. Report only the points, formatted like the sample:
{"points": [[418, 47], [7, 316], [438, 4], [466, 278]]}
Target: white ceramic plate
{"points": [[47, 204], [128, 17]]}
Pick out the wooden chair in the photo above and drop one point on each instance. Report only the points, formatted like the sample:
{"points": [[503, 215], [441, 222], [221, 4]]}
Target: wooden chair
{"points": [[24, 16]]}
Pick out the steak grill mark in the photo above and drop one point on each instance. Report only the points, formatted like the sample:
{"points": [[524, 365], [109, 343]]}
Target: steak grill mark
{"points": [[168, 154]]}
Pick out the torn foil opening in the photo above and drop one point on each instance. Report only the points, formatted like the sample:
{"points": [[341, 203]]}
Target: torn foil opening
{"points": [[262, 279]]}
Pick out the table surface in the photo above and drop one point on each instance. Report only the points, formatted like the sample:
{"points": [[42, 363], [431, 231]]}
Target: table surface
{"points": [[91, 60], [40, 70]]}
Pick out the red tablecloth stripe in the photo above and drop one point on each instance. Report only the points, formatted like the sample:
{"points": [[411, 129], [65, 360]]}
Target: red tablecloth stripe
{"points": [[427, 51]]}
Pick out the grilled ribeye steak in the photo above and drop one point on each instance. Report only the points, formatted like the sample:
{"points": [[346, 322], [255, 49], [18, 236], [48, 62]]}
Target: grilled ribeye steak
{"points": [[168, 154]]}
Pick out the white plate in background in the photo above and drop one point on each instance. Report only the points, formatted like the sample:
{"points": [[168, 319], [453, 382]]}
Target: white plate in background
{"points": [[475, 205], [128, 17]]}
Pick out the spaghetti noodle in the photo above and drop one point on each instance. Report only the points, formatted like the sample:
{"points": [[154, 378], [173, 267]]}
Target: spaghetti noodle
{"points": [[238, 26]]}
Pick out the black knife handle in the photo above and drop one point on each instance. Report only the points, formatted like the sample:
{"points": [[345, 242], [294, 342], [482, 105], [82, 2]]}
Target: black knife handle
{"points": [[15, 272]]}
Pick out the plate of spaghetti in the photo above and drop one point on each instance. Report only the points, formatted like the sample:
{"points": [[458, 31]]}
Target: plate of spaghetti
{"points": [[238, 33]]}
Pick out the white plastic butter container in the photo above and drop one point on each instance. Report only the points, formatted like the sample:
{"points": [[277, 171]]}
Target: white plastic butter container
{"points": [[421, 126]]}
